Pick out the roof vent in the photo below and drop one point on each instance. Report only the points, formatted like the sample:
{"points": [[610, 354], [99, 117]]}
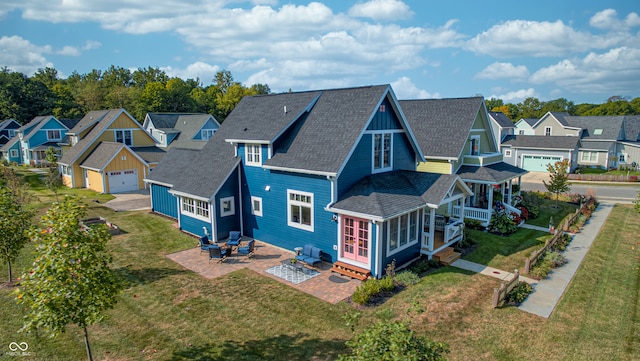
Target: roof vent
{"points": [[285, 109]]}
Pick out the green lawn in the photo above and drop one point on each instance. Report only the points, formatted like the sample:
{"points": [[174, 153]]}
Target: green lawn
{"points": [[169, 313]]}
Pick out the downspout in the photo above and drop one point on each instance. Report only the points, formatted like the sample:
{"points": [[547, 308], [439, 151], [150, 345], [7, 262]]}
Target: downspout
{"points": [[214, 232], [240, 200], [150, 195], [378, 266], [179, 212]]}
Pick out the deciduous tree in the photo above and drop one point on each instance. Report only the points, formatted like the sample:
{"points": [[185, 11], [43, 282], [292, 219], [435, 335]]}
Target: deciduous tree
{"points": [[559, 179], [14, 223], [70, 281]]}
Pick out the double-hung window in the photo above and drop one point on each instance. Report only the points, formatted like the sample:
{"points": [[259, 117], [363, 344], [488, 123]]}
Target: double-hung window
{"points": [[252, 154], [402, 231], [382, 156], [124, 137], [547, 131], [589, 157], [300, 210], [474, 145], [256, 206], [195, 208], [207, 133], [53, 134]]}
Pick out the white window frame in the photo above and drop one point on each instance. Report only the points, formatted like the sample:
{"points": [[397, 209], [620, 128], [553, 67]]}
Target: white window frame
{"points": [[195, 208], [547, 131], [475, 138], [229, 210], [521, 132], [587, 156], [622, 158], [13, 153], [52, 132], [376, 168], [11, 132], [253, 154], [256, 211], [302, 200], [122, 133], [410, 230], [206, 134], [507, 153]]}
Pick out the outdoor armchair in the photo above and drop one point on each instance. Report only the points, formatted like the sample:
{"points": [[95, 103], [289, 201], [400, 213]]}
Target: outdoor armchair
{"points": [[248, 250], [234, 239]]}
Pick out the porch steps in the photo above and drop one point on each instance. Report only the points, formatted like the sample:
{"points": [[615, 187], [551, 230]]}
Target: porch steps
{"points": [[351, 271], [447, 256]]}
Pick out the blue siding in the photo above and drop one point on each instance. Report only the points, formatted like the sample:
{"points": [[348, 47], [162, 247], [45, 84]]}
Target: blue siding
{"points": [[209, 124], [194, 226], [402, 257], [385, 120], [273, 227], [403, 155], [232, 222], [40, 137], [163, 202], [17, 159], [358, 166]]}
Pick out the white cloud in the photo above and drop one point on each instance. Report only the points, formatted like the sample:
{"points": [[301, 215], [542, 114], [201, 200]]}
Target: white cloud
{"points": [[615, 71], [503, 71], [406, 89], [200, 70], [516, 96], [92, 44], [69, 51], [608, 19], [381, 10], [538, 39], [21, 55]]}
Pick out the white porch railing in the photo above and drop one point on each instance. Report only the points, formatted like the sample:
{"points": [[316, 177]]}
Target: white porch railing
{"points": [[452, 232], [511, 208], [480, 214]]}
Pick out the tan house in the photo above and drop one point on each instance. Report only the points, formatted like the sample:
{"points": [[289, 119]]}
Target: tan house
{"points": [[107, 151]]}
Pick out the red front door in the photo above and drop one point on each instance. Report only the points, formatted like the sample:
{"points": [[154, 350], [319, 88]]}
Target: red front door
{"points": [[355, 239]]}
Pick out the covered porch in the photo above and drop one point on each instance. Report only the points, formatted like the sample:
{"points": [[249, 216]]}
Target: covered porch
{"points": [[441, 226], [492, 185]]}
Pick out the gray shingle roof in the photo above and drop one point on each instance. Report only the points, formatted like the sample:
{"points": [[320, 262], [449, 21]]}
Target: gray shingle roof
{"points": [[530, 121], [610, 126], [150, 154], [186, 124], [560, 116], [632, 128], [541, 142], [323, 140], [596, 145], [386, 195], [5, 123], [99, 120], [101, 155], [441, 126], [494, 173], [69, 123], [502, 120], [176, 164]]}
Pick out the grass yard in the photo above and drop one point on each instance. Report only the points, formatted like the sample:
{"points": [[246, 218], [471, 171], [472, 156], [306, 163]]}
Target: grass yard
{"points": [[169, 313], [549, 209]]}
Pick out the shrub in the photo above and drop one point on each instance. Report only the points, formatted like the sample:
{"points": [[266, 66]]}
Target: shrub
{"points": [[473, 224], [563, 242], [370, 288], [407, 278], [524, 212], [519, 293], [502, 223], [548, 261], [555, 259]]}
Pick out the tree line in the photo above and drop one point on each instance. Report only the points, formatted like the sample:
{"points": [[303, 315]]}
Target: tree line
{"points": [[139, 92], [535, 109]]}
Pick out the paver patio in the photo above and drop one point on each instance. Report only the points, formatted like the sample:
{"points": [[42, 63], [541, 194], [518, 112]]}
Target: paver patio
{"points": [[326, 286]]}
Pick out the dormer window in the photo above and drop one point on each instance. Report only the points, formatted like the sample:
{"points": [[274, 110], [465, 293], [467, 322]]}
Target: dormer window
{"points": [[252, 154], [382, 156], [547, 131], [53, 134], [124, 137], [207, 133], [474, 145]]}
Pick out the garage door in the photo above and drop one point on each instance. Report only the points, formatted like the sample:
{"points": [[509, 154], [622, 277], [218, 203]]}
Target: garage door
{"points": [[538, 163], [123, 181]]}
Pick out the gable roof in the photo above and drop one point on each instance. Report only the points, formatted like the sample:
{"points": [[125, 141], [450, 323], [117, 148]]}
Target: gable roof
{"points": [[492, 173], [501, 119], [69, 123], [609, 127], [5, 123], [387, 195], [541, 142], [185, 124], [632, 128], [529, 121], [97, 121], [103, 154], [442, 126]]}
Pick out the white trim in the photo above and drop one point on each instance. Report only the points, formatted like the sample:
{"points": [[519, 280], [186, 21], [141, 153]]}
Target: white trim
{"points": [[471, 141], [590, 154], [383, 134], [254, 154], [299, 170], [13, 153], [409, 243], [300, 203], [198, 208], [550, 129], [54, 130], [508, 153], [182, 194], [231, 209], [254, 211], [206, 134]]}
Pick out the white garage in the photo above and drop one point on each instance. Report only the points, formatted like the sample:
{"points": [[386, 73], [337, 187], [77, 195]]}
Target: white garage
{"points": [[123, 181], [538, 163]]}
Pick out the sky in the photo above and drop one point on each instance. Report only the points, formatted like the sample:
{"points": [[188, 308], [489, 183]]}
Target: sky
{"points": [[584, 51]]}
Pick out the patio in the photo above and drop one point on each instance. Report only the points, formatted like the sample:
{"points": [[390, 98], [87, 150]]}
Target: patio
{"points": [[327, 286]]}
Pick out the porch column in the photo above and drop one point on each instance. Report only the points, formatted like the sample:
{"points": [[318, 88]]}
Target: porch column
{"points": [[502, 191], [510, 190], [519, 184], [461, 203], [432, 227], [490, 187]]}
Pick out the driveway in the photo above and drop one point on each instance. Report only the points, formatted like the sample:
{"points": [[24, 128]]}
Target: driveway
{"points": [[130, 201]]}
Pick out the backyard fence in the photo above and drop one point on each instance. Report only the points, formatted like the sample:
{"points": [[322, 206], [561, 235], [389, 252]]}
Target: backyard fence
{"points": [[603, 177], [500, 293]]}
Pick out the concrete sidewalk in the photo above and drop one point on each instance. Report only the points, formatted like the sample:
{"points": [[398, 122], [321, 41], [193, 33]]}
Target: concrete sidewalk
{"points": [[548, 291], [488, 271]]}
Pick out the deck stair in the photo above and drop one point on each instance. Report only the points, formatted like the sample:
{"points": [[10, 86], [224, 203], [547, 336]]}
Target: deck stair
{"points": [[447, 256], [351, 271]]}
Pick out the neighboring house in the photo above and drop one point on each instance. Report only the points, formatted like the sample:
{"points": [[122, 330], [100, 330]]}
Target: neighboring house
{"points": [[100, 153], [181, 130], [32, 140], [524, 126], [333, 168], [8, 130], [456, 137], [598, 141], [501, 126]]}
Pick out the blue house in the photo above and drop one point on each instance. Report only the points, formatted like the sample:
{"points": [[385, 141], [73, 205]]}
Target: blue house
{"points": [[181, 130], [34, 138], [333, 168], [8, 129]]}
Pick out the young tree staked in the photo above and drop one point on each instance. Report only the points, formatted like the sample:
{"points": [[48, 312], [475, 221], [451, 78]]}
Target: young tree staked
{"points": [[70, 281], [53, 178], [14, 224], [559, 179]]}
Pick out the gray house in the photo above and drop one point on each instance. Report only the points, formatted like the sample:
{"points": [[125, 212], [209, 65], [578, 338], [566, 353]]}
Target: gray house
{"points": [[181, 130]]}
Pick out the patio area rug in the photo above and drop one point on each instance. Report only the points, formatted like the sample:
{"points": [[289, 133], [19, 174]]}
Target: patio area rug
{"points": [[292, 275]]}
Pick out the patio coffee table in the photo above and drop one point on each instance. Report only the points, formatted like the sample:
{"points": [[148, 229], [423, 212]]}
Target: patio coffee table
{"points": [[296, 266]]}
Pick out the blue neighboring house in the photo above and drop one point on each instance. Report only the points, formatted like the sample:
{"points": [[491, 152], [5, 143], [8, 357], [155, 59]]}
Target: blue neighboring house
{"points": [[333, 168], [34, 138], [8, 130]]}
